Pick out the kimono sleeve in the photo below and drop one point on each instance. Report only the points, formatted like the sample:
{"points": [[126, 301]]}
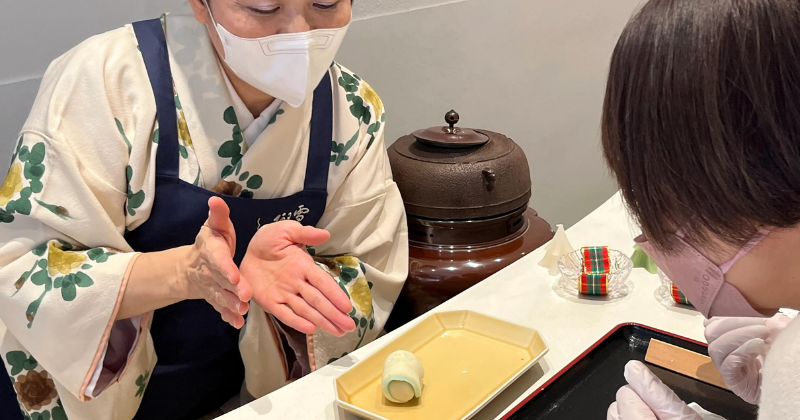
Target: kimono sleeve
{"points": [[368, 247], [62, 260]]}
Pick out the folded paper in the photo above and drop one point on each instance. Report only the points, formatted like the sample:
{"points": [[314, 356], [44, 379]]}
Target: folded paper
{"points": [[596, 260], [557, 247], [596, 268], [595, 284], [678, 296]]}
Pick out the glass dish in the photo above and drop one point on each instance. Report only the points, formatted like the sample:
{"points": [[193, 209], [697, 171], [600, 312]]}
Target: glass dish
{"points": [[571, 266], [664, 292]]}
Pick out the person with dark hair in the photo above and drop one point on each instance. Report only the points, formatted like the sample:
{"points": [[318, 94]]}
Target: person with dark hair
{"points": [[197, 208], [701, 128]]}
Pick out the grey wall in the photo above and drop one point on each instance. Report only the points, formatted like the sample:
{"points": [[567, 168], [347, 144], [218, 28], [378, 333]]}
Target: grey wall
{"points": [[33, 33], [534, 70], [365, 9], [531, 69]]}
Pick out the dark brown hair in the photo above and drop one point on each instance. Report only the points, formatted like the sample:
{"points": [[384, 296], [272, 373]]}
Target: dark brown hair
{"points": [[701, 121]]}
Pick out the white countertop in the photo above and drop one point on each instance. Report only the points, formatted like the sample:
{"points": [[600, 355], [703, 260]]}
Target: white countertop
{"points": [[522, 293]]}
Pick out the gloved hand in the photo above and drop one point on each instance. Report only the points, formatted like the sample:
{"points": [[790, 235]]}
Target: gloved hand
{"points": [[737, 347], [647, 398]]}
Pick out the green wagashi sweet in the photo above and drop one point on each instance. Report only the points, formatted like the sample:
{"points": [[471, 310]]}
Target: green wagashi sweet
{"points": [[402, 377]]}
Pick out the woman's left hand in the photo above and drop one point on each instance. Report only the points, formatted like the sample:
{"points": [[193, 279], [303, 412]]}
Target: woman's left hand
{"points": [[737, 346], [289, 285]]}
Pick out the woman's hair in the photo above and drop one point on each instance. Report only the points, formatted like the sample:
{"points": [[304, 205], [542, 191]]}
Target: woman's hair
{"points": [[209, 1], [701, 120]]}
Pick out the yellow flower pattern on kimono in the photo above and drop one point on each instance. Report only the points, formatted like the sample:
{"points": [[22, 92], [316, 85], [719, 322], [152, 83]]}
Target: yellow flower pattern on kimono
{"points": [[348, 261], [372, 98], [183, 135], [28, 164], [183, 130], [350, 274], [59, 267], [361, 296], [60, 261], [361, 97], [12, 184]]}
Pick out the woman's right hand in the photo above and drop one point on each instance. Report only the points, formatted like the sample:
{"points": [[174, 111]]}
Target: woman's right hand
{"points": [[210, 272], [647, 398]]}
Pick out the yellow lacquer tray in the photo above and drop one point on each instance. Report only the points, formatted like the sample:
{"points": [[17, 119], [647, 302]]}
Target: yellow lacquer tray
{"points": [[468, 358]]}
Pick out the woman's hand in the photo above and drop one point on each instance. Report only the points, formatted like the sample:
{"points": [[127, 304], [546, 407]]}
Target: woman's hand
{"points": [[211, 273], [287, 283], [647, 398], [204, 270], [738, 346]]}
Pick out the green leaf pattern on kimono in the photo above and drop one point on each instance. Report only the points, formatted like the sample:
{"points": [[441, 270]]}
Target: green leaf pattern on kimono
{"points": [[233, 149], [56, 413], [20, 361], [366, 106], [135, 199], [142, 382], [339, 150], [59, 267], [27, 167], [21, 364], [124, 137], [59, 413], [274, 118]]}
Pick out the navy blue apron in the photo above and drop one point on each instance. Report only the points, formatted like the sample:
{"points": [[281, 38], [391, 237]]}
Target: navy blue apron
{"points": [[199, 366], [9, 405]]}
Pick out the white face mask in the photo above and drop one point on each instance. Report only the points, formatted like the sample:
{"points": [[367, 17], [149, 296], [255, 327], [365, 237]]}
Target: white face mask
{"points": [[284, 66]]}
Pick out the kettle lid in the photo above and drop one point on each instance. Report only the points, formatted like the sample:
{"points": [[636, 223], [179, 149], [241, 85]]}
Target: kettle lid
{"points": [[451, 137]]}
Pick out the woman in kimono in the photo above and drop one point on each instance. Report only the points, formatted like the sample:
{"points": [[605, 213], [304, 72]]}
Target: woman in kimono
{"points": [[194, 204]]}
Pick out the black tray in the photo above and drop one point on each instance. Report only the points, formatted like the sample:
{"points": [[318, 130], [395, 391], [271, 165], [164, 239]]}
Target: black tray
{"points": [[585, 388]]}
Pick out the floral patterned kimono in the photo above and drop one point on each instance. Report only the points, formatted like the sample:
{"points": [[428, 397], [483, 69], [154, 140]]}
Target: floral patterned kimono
{"points": [[82, 175]]}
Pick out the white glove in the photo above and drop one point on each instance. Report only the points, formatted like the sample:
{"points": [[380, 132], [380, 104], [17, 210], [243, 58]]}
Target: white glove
{"points": [[647, 398], [737, 346]]}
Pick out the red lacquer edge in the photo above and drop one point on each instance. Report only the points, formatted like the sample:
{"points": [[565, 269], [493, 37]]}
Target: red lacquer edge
{"points": [[585, 353]]}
